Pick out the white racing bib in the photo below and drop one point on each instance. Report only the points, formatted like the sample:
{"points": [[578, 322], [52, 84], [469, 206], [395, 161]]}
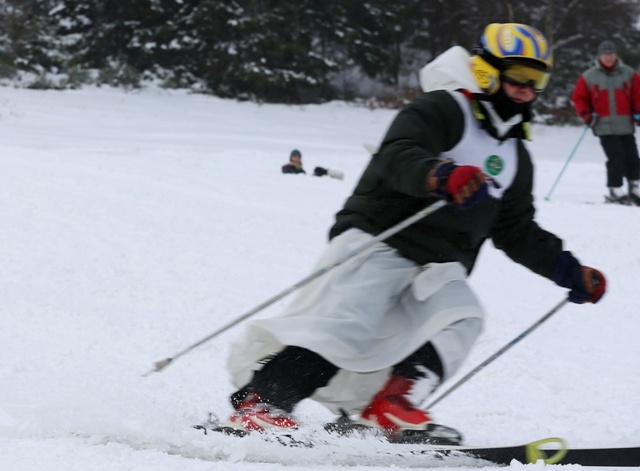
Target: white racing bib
{"points": [[497, 159]]}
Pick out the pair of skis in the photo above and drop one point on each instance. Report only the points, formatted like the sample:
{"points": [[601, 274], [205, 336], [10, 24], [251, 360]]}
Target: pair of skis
{"points": [[549, 450]]}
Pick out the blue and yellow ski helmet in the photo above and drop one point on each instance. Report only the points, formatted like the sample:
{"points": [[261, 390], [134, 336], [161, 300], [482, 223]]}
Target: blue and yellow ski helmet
{"points": [[503, 50]]}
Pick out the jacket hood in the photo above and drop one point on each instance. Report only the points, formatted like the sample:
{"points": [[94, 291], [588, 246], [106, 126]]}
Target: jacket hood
{"points": [[451, 70], [500, 117]]}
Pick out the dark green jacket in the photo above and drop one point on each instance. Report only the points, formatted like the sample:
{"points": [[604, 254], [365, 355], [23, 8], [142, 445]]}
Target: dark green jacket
{"points": [[393, 188]]}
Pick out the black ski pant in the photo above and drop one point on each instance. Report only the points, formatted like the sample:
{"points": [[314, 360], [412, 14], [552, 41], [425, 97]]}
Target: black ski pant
{"points": [[295, 373], [622, 159]]}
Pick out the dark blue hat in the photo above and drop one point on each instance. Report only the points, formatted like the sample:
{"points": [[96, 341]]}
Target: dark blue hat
{"points": [[606, 47]]}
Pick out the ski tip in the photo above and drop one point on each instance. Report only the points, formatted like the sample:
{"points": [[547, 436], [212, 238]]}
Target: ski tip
{"points": [[534, 453]]}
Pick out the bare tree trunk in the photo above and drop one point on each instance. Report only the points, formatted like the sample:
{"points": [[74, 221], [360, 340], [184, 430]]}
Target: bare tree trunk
{"points": [[549, 25]]}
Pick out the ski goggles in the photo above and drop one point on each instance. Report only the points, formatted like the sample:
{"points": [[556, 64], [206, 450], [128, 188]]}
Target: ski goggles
{"points": [[525, 76]]}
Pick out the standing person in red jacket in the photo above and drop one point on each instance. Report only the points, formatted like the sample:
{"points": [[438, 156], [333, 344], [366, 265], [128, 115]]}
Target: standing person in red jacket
{"points": [[607, 97]]}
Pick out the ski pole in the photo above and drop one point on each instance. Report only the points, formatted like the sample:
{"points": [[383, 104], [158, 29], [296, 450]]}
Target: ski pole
{"points": [[575, 148], [160, 365], [477, 369]]}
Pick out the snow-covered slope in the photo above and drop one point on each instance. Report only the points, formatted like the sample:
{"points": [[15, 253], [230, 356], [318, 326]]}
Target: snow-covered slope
{"points": [[134, 224]]}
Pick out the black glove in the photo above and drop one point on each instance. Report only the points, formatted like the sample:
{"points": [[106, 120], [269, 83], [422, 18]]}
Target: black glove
{"points": [[590, 119], [320, 172], [587, 284]]}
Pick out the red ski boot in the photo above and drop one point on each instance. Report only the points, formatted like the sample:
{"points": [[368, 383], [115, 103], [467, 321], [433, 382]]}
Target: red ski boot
{"points": [[252, 415], [392, 411]]}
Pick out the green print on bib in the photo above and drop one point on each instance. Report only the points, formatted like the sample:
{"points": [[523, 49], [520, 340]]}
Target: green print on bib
{"points": [[494, 165]]}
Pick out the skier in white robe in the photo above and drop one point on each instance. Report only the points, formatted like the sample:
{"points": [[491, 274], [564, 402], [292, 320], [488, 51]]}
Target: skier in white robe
{"points": [[376, 335]]}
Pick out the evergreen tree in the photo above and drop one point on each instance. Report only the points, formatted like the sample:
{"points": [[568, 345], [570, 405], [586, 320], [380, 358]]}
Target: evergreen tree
{"points": [[25, 37], [121, 39], [294, 52]]}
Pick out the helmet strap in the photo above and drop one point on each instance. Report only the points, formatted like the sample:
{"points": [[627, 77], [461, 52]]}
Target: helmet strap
{"points": [[502, 113], [493, 61]]}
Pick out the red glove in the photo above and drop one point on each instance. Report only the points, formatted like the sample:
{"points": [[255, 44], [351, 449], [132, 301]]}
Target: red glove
{"points": [[465, 185]]}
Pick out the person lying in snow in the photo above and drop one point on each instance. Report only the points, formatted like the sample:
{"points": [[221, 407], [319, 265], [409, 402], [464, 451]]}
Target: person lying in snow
{"points": [[294, 166]]}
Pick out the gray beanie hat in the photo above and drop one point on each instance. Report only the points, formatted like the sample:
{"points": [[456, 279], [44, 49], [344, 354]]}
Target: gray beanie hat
{"points": [[606, 47]]}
